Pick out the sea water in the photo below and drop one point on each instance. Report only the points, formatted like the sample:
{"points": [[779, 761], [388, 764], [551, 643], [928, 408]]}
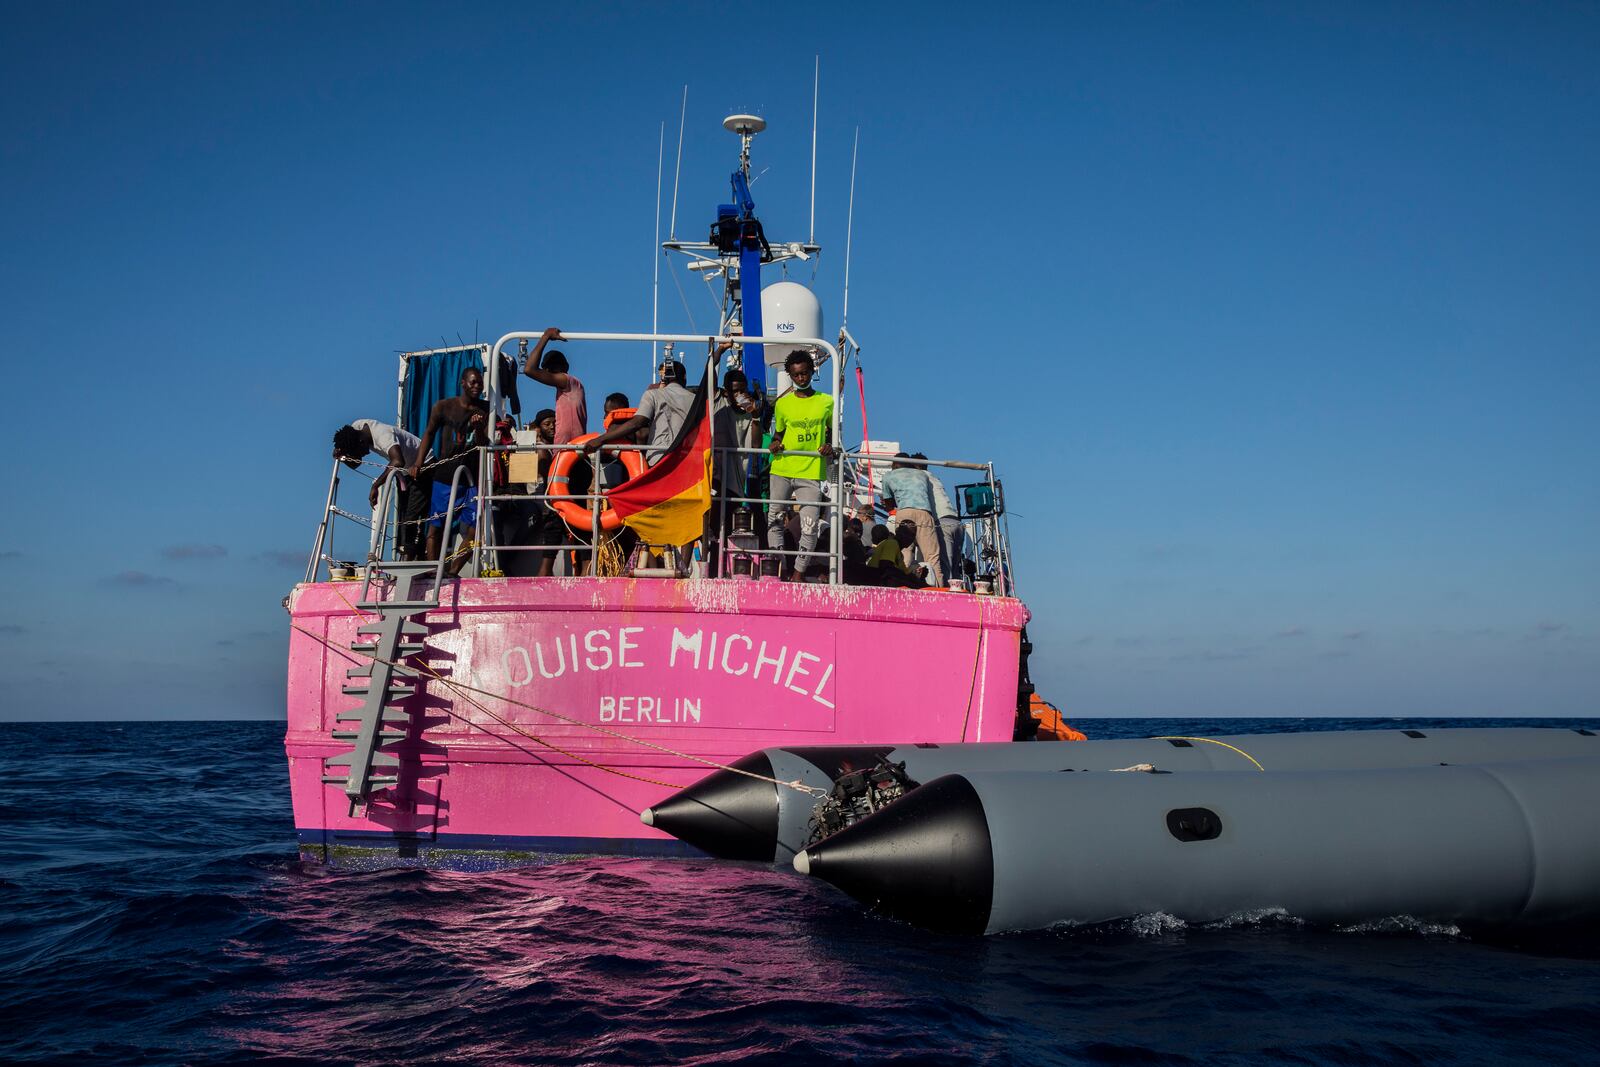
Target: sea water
{"points": [[153, 910]]}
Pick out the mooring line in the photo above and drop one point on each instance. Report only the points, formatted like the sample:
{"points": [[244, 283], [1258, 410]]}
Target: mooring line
{"points": [[1214, 741]]}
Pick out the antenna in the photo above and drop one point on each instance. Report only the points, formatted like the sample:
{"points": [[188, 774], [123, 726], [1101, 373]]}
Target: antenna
{"points": [[746, 126], [849, 228], [816, 84], [683, 112], [655, 249]]}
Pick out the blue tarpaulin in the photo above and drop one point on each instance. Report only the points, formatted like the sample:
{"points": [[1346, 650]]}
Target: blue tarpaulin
{"points": [[432, 377]]}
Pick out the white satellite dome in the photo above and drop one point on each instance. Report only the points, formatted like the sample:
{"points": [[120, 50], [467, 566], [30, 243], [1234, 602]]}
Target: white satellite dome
{"points": [[789, 309]]}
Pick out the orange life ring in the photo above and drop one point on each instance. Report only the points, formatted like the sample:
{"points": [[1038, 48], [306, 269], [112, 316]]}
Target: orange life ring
{"points": [[573, 511]]}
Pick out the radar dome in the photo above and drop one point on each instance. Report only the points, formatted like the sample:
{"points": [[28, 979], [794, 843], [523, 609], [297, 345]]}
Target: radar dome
{"points": [[789, 309]]}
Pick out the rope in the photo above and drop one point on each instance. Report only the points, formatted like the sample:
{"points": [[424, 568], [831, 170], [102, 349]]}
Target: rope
{"points": [[1214, 741], [861, 386], [977, 654], [507, 723], [461, 688]]}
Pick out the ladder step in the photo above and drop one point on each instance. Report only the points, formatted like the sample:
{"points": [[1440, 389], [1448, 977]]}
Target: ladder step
{"points": [[385, 737], [334, 779], [397, 605], [408, 566], [405, 648], [407, 629], [395, 691], [397, 668], [380, 758], [358, 715], [379, 781]]}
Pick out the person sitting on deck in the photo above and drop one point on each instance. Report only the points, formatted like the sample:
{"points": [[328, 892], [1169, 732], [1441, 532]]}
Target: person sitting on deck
{"points": [[350, 446], [907, 491], [461, 425], [887, 565], [572, 413], [802, 421], [853, 554]]}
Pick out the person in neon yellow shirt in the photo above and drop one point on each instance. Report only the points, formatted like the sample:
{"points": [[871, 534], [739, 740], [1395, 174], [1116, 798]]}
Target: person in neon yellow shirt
{"points": [[802, 421]]}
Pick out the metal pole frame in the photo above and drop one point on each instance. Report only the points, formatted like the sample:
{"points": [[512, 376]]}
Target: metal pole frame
{"points": [[324, 530]]}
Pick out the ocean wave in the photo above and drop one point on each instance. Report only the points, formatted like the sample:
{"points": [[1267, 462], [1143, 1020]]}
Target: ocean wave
{"points": [[145, 920]]}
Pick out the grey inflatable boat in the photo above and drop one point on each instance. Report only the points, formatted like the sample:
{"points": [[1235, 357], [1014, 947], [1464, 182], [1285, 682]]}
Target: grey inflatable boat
{"points": [[732, 816], [1494, 844]]}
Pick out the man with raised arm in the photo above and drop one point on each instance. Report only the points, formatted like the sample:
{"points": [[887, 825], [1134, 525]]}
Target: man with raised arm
{"points": [[802, 421], [572, 413], [461, 425], [352, 443]]}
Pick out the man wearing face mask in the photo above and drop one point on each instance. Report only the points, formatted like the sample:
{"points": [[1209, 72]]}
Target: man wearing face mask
{"points": [[802, 422]]}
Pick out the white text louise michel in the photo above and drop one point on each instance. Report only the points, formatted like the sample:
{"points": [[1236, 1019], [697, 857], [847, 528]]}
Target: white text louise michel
{"points": [[605, 649]]}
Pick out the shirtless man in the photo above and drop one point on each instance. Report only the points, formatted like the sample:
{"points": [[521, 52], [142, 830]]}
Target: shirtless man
{"points": [[461, 424]]}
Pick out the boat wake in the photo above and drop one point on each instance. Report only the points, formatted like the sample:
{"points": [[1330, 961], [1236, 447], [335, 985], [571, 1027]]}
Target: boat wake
{"points": [[1156, 925]]}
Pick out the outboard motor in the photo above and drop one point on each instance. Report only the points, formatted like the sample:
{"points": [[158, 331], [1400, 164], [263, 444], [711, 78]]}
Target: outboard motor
{"points": [[857, 795]]}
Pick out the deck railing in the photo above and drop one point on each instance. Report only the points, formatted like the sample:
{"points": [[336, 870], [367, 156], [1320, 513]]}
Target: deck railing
{"points": [[847, 489]]}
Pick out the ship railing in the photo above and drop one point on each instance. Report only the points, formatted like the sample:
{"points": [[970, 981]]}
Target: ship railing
{"points": [[845, 490], [712, 343], [981, 515], [594, 501], [738, 551], [377, 525]]}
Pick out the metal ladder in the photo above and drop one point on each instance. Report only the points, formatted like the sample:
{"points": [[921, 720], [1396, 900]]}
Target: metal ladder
{"points": [[384, 683]]}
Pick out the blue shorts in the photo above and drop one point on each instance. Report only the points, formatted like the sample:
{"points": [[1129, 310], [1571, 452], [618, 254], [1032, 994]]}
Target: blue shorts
{"points": [[466, 505]]}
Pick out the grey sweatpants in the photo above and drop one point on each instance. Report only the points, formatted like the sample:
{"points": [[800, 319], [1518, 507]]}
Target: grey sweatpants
{"points": [[805, 493], [952, 539]]}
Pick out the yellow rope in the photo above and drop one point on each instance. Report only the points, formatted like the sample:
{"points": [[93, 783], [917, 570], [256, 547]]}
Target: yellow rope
{"points": [[461, 688], [1214, 741], [504, 722]]}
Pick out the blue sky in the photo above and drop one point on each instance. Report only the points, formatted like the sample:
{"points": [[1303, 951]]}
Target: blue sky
{"points": [[1281, 320]]}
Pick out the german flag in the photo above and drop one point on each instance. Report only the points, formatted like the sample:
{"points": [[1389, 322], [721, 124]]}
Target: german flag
{"points": [[667, 504]]}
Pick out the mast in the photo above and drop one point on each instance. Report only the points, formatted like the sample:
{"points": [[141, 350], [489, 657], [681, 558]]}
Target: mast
{"points": [[738, 232], [738, 248]]}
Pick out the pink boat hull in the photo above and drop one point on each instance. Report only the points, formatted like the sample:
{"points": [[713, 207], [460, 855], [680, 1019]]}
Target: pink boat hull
{"points": [[706, 670]]}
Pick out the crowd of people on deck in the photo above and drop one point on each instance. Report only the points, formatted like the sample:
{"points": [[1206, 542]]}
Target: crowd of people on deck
{"points": [[780, 488]]}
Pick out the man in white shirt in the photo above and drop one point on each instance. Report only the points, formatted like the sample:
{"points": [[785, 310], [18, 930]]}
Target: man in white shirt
{"points": [[352, 443]]}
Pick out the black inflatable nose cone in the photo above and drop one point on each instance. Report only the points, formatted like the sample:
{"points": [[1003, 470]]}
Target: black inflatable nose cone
{"points": [[925, 859], [731, 816]]}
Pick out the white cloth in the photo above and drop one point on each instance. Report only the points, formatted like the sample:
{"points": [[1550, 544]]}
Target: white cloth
{"points": [[385, 437], [667, 408]]}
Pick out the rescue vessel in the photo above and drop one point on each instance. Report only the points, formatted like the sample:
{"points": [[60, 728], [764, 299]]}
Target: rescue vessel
{"points": [[447, 713]]}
